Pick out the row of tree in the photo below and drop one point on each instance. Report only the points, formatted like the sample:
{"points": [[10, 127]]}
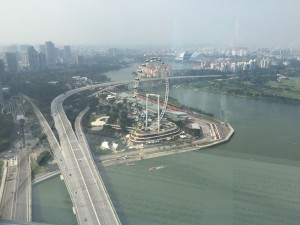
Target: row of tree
{"points": [[119, 115], [6, 131]]}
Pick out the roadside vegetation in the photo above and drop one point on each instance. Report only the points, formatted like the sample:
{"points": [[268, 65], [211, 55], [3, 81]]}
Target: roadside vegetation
{"points": [[40, 88], [36, 169], [6, 131], [44, 157], [39, 165]]}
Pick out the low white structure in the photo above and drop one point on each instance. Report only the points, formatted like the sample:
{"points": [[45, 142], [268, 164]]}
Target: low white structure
{"points": [[114, 146], [109, 97], [105, 146], [100, 122]]}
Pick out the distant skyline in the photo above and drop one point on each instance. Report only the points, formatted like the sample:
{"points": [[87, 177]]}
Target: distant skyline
{"points": [[255, 23]]}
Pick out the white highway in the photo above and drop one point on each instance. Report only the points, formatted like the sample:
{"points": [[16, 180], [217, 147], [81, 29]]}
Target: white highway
{"points": [[92, 194]]}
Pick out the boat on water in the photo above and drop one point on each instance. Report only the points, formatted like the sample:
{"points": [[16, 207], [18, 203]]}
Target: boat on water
{"points": [[151, 169]]}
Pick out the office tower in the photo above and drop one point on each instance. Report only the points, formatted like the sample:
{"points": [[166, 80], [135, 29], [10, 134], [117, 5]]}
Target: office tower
{"points": [[252, 64], [42, 48], [23, 48], [50, 55], [33, 59], [1, 91], [67, 54], [42, 61], [79, 60], [264, 63], [58, 53], [11, 60], [11, 48]]}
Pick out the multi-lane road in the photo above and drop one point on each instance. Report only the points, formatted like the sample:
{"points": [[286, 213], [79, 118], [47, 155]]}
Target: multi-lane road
{"points": [[16, 202], [91, 194], [106, 205], [68, 169]]}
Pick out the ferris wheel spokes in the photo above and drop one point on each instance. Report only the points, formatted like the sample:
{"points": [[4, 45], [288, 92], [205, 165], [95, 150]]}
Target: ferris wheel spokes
{"points": [[154, 67]]}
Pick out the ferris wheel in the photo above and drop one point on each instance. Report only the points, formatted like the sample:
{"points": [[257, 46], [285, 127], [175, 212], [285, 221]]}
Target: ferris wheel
{"points": [[154, 67]]}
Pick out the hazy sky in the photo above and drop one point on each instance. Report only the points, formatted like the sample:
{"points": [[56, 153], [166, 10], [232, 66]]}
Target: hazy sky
{"points": [[151, 22]]}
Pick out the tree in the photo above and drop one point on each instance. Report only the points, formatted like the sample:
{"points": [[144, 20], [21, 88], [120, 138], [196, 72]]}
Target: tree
{"points": [[44, 157], [123, 120], [6, 130]]}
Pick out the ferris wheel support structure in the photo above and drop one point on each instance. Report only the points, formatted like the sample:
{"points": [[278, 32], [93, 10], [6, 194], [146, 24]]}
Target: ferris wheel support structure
{"points": [[164, 72]]}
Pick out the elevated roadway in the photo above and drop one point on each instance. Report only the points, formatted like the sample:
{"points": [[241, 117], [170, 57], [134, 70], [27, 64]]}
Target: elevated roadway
{"points": [[71, 173], [91, 193], [106, 204]]}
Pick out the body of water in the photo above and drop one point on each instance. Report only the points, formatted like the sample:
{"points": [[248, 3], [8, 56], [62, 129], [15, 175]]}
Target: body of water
{"points": [[51, 203], [126, 73], [253, 179]]}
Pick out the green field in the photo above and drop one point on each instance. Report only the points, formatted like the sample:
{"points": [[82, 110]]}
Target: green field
{"points": [[267, 87], [289, 88]]}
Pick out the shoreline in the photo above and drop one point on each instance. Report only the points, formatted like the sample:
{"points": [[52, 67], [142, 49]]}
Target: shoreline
{"points": [[45, 177], [155, 154]]}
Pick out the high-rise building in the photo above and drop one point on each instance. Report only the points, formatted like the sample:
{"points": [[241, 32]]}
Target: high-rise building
{"points": [[252, 64], [33, 59], [23, 48], [42, 48], [1, 90], [11, 48], [264, 63], [50, 55], [11, 60], [245, 66], [67, 54], [79, 60], [42, 61]]}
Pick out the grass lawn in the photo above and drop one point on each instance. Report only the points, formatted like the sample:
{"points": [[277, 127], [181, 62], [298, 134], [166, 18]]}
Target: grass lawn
{"points": [[289, 88], [292, 83]]}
